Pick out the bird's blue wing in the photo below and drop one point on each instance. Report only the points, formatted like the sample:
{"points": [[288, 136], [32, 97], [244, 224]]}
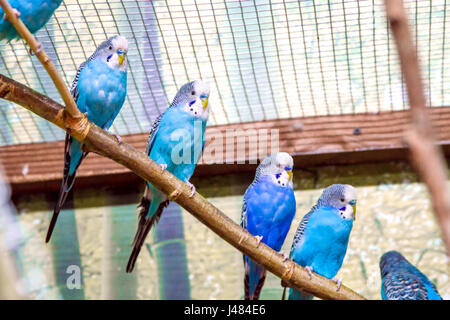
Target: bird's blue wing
{"points": [[433, 293], [152, 135], [244, 208], [403, 286], [74, 88]]}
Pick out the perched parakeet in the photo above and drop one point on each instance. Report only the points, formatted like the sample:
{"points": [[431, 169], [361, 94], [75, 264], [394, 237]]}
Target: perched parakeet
{"points": [[267, 213], [400, 280], [176, 142], [322, 237], [33, 13], [99, 90]]}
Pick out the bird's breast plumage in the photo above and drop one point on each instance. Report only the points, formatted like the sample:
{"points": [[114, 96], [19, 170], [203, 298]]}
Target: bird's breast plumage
{"points": [[270, 210], [102, 91], [33, 13], [324, 242], [179, 142]]}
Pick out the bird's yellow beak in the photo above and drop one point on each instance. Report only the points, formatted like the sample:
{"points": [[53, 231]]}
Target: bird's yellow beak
{"points": [[204, 102], [290, 174], [353, 204], [121, 56]]}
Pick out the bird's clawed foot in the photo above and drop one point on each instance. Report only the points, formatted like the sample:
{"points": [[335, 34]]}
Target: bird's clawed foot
{"points": [[285, 256], [310, 271], [39, 48], [16, 13], [163, 167], [192, 188], [258, 238], [338, 282]]}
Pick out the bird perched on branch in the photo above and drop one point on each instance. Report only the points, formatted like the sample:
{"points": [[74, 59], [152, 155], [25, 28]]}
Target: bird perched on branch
{"points": [[322, 237], [267, 213], [176, 142], [99, 90], [400, 280], [33, 13]]}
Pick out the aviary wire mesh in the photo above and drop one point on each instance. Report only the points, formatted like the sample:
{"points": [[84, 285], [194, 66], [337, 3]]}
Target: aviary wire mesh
{"points": [[263, 59]]}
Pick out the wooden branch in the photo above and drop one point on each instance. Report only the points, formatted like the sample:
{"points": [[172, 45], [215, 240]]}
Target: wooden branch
{"points": [[426, 157], [103, 143], [43, 58]]}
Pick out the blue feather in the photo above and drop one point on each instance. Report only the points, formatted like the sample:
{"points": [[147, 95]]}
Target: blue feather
{"points": [[101, 93], [401, 280]]}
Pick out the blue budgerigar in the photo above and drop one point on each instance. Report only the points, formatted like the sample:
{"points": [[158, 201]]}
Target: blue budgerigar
{"points": [[400, 280], [321, 240], [99, 90], [33, 13], [176, 142], [267, 213]]}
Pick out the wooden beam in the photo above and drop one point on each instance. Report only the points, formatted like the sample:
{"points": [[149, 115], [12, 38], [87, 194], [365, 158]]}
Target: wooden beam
{"points": [[322, 140]]}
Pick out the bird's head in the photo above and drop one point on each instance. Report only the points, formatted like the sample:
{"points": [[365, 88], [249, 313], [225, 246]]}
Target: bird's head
{"points": [[114, 52], [342, 197], [391, 260], [279, 166], [193, 98]]}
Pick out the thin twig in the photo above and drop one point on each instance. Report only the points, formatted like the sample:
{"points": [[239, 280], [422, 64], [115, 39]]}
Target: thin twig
{"points": [[426, 157], [105, 144], [43, 58]]}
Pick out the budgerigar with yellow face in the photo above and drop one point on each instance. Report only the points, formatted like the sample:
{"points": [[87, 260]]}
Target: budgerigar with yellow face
{"points": [[99, 90], [176, 142], [267, 213]]}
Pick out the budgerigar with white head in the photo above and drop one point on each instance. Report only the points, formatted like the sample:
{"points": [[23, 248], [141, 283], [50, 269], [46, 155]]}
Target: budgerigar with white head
{"points": [[401, 280], [267, 213], [33, 13], [321, 240], [99, 90], [176, 142]]}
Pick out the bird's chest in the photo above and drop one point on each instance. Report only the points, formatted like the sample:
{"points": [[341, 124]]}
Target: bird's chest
{"points": [[103, 88]]}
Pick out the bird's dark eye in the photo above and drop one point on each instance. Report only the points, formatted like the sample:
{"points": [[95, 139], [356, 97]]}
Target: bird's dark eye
{"points": [[110, 47], [342, 199], [193, 93]]}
